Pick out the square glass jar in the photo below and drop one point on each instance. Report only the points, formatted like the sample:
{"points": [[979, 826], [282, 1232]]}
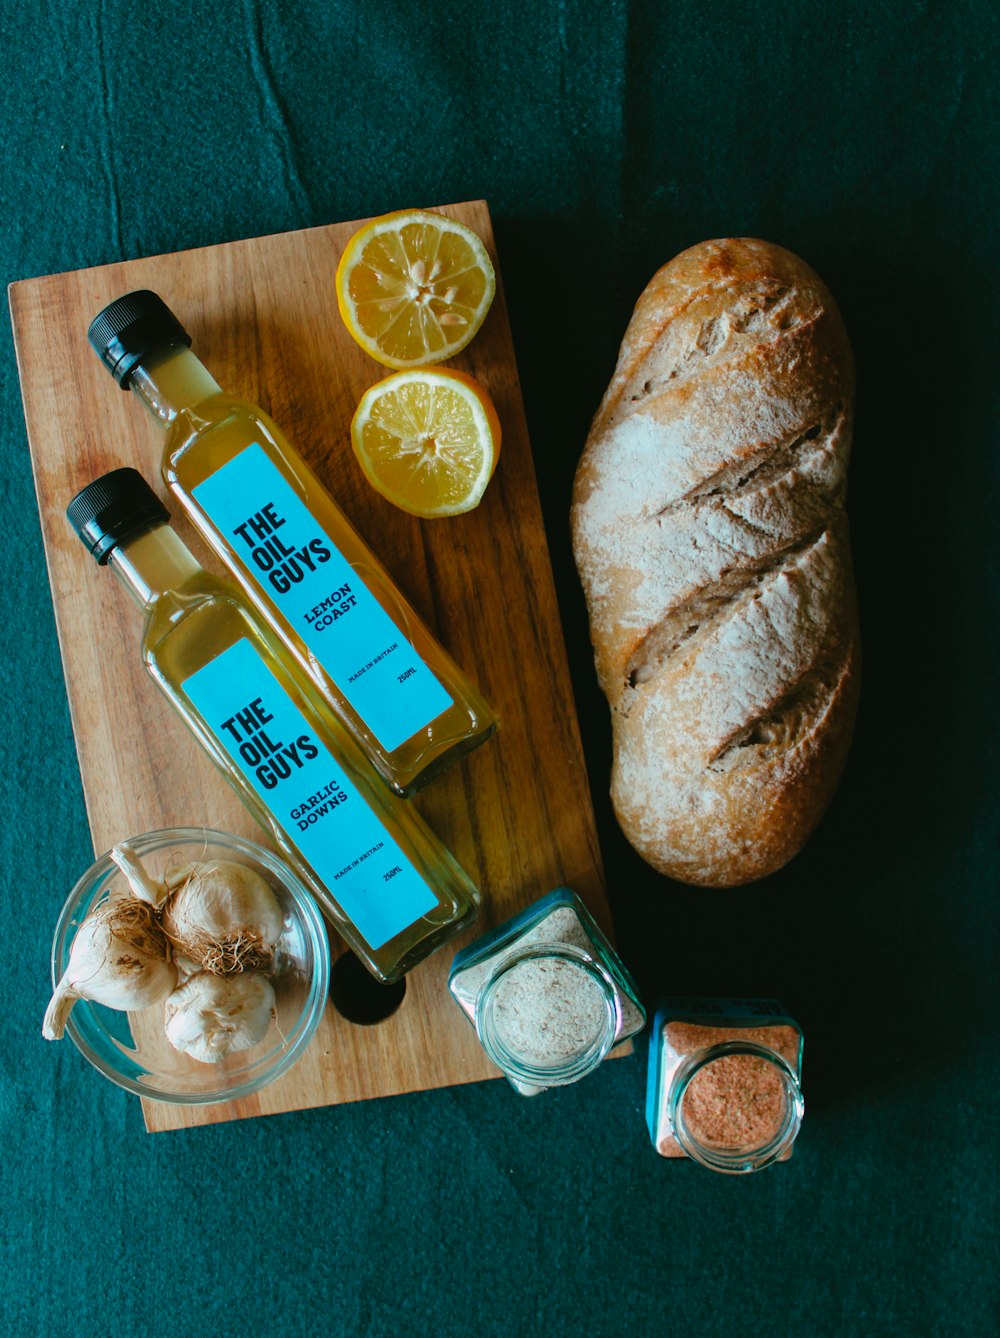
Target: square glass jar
{"points": [[724, 1082], [547, 994]]}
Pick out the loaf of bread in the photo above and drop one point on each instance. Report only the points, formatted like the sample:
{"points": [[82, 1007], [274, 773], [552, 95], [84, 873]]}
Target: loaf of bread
{"points": [[711, 539]]}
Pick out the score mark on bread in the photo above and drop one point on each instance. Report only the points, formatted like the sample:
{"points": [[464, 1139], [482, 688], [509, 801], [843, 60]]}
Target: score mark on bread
{"points": [[711, 539]]}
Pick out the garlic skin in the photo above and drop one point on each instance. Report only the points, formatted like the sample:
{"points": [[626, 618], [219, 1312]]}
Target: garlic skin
{"points": [[119, 958], [143, 884], [210, 1016], [223, 916]]}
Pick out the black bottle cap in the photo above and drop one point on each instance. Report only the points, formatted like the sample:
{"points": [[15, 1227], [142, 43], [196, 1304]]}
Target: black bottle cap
{"points": [[111, 508], [130, 329]]}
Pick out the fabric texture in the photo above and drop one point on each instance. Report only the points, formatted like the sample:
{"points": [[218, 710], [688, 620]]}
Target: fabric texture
{"points": [[606, 138]]}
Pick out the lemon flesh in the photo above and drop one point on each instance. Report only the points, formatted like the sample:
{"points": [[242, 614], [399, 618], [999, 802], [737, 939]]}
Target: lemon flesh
{"points": [[414, 288], [427, 442]]}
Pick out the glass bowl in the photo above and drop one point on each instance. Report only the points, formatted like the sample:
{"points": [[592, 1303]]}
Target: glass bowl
{"points": [[132, 1048]]}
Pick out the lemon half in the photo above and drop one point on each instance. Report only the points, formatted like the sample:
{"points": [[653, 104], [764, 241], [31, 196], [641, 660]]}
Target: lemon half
{"points": [[413, 287], [428, 441]]}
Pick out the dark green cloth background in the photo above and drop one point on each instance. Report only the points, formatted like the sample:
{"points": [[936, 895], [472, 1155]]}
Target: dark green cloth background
{"points": [[606, 137]]}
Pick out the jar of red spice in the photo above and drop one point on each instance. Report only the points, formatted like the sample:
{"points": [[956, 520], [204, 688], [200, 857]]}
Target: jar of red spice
{"points": [[724, 1082]]}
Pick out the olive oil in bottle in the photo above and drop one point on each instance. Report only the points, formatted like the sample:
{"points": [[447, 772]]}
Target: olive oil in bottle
{"points": [[380, 875], [296, 555]]}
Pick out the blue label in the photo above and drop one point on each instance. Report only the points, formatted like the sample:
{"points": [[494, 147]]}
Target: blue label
{"points": [[308, 794], [283, 549]]}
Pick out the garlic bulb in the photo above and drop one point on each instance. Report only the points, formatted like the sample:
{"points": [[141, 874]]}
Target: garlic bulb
{"points": [[223, 916], [210, 1016], [119, 958], [219, 916]]}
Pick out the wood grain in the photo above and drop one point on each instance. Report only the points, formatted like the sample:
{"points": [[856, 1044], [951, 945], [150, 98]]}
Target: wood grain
{"points": [[517, 813]]}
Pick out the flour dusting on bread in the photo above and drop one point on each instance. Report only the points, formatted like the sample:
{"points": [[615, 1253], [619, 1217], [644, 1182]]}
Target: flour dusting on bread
{"points": [[711, 540]]}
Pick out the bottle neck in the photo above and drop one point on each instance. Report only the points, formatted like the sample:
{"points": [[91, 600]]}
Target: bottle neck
{"points": [[735, 1106], [170, 381], [548, 1015], [152, 562]]}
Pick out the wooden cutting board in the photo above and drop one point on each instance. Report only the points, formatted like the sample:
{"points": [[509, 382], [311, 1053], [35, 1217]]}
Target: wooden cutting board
{"points": [[517, 814]]}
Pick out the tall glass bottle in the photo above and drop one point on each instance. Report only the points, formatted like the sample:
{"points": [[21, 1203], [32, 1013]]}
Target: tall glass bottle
{"points": [[296, 555], [381, 876]]}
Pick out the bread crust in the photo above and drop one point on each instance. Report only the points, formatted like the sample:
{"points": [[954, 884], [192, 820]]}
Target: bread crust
{"points": [[712, 543]]}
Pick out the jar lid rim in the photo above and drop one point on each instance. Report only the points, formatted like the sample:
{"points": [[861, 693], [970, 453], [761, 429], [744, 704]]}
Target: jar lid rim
{"points": [[573, 1067], [736, 1158]]}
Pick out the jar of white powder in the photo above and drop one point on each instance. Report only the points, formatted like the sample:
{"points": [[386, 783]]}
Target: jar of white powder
{"points": [[724, 1082], [547, 994]]}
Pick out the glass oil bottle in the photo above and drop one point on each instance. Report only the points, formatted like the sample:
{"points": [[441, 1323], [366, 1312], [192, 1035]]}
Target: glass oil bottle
{"points": [[382, 878], [271, 521]]}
